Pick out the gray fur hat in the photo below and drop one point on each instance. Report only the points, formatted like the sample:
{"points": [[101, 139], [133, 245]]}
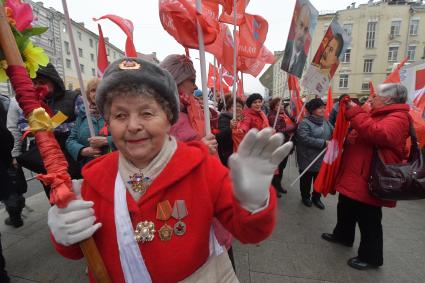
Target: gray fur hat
{"points": [[129, 71]]}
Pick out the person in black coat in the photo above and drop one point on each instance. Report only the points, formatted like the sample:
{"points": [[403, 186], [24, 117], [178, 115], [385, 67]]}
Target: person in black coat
{"points": [[224, 135], [6, 145]]}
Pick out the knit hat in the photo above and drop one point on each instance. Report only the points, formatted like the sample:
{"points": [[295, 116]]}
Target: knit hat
{"points": [[180, 67], [314, 104], [128, 71], [252, 98], [197, 93]]}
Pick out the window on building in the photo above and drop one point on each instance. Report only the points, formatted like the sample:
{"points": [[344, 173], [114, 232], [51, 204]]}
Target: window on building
{"points": [[68, 63], [413, 27], [93, 72], [115, 55], [82, 68], [367, 66], [80, 52], [92, 57], [348, 28], [392, 53], [370, 35], [64, 27], [79, 36], [91, 42], [395, 28], [343, 81], [347, 56], [66, 43], [365, 86], [411, 50], [109, 51]]}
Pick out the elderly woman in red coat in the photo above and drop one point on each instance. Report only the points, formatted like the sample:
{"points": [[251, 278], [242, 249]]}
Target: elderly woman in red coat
{"points": [[149, 206], [387, 128]]}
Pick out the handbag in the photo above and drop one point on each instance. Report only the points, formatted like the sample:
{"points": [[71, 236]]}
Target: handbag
{"points": [[404, 181]]}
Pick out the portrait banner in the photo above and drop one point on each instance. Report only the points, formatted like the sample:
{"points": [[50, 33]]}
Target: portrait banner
{"points": [[303, 24], [328, 56]]}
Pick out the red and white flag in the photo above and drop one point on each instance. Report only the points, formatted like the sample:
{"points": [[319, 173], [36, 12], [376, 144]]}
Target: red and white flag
{"points": [[254, 66], [211, 75], [326, 179], [102, 58], [128, 28]]}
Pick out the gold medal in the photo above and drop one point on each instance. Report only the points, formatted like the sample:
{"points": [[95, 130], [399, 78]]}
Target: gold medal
{"points": [[145, 231], [139, 183], [165, 232], [179, 212]]}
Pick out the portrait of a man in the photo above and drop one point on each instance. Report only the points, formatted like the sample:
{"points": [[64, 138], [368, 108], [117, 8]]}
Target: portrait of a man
{"points": [[328, 59], [299, 39]]}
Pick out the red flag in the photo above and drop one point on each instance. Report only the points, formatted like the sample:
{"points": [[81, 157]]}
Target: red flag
{"points": [[227, 4], [325, 181], [226, 59], [128, 28], [329, 103], [227, 77], [179, 18], [102, 58], [217, 47], [210, 82], [295, 99], [366, 107], [252, 33], [394, 77], [240, 11], [254, 66]]}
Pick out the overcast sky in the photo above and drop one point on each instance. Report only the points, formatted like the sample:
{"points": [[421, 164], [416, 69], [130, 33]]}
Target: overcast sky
{"points": [[149, 36]]}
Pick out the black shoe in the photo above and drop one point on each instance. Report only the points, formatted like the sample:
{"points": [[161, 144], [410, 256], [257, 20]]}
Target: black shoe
{"points": [[18, 222], [331, 238], [307, 202], [356, 263], [279, 195], [318, 203]]}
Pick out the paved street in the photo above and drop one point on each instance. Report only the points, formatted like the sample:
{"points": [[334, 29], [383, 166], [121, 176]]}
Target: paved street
{"points": [[294, 253]]}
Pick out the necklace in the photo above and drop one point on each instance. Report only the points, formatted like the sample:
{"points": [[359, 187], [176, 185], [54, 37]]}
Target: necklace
{"points": [[139, 183]]}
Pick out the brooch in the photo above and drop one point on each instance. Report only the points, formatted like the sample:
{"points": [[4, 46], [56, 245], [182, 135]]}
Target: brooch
{"points": [[145, 231], [139, 183]]}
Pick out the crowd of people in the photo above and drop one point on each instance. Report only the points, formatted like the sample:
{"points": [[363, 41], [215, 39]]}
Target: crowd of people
{"points": [[150, 141]]}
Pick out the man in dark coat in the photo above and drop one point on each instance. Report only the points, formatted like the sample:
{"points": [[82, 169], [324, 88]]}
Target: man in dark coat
{"points": [[6, 145]]}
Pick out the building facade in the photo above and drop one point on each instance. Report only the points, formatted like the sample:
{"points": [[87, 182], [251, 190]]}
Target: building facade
{"points": [[56, 44], [274, 79], [383, 34]]}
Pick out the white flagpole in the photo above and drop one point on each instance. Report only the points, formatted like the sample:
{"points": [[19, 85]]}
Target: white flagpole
{"points": [[77, 67], [308, 167], [215, 82], [221, 87], [203, 72], [280, 104], [235, 54]]}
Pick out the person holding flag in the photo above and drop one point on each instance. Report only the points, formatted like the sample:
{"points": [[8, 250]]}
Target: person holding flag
{"points": [[313, 135], [386, 128]]}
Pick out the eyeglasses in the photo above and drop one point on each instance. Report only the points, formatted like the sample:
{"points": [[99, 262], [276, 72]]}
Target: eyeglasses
{"points": [[93, 90]]}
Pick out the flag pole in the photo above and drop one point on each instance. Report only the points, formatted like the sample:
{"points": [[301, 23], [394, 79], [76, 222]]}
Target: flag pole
{"points": [[308, 167], [203, 73], [78, 69], [280, 103], [235, 54], [221, 87], [215, 82]]}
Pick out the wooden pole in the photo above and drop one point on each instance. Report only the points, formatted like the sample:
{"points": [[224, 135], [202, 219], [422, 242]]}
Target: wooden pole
{"points": [[13, 58]]}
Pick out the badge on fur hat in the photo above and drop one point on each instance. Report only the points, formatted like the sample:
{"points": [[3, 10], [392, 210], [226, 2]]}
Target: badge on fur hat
{"points": [[129, 65]]}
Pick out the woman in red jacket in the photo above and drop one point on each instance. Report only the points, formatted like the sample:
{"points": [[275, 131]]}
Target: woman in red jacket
{"points": [[155, 198], [387, 128]]}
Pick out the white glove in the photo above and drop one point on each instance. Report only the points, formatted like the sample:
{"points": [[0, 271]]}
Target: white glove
{"points": [[74, 223], [253, 166]]}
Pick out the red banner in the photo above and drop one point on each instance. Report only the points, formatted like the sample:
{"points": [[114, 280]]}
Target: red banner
{"points": [[179, 18], [128, 28], [329, 103], [102, 58], [295, 99], [240, 11], [253, 33]]}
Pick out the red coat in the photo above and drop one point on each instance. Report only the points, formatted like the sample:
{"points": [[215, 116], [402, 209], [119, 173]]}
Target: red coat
{"points": [[387, 128], [192, 175], [253, 119]]}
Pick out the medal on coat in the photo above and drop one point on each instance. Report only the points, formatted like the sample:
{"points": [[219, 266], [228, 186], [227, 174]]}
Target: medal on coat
{"points": [[145, 231], [179, 212], [163, 212], [139, 183]]}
